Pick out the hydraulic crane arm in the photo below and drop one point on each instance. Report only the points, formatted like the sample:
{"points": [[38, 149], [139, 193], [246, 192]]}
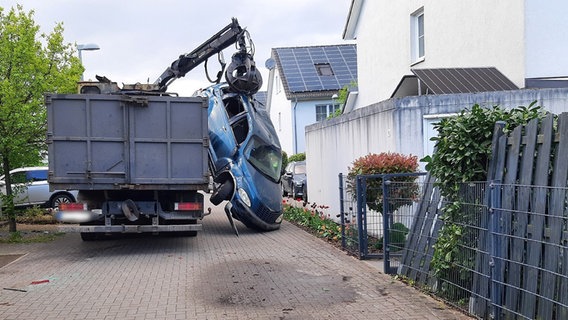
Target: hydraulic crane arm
{"points": [[232, 33]]}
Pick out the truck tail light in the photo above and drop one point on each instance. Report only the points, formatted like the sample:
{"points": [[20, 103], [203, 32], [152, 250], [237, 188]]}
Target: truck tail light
{"points": [[187, 206], [75, 206]]}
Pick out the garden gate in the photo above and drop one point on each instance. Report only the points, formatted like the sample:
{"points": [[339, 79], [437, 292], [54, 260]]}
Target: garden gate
{"points": [[376, 214]]}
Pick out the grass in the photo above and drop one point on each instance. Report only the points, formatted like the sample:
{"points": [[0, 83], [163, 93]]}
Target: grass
{"points": [[29, 236], [31, 225]]}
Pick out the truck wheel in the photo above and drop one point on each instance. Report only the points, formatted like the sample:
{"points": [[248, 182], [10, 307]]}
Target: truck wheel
{"points": [[89, 236], [186, 233], [222, 193]]}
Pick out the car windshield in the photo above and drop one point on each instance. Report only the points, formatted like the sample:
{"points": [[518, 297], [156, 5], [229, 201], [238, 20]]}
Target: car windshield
{"points": [[264, 157], [300, 169]]}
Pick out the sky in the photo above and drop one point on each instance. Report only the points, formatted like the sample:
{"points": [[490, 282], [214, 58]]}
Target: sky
{"points": [[139, 39]]}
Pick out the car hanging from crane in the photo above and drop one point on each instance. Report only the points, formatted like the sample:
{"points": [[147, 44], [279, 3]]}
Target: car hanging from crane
{"points": [[245, 157]]}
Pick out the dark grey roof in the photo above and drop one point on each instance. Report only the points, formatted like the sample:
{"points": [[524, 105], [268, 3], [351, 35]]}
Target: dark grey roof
{"points": [[463, 80], [298, 68], [261, 97]]}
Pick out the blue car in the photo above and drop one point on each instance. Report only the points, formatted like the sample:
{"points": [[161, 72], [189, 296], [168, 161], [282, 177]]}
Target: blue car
{"points": [[245, 158]]}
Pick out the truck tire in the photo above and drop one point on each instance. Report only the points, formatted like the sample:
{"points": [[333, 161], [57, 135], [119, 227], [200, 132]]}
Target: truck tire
{"points": [[222, 193], [89, 236]]}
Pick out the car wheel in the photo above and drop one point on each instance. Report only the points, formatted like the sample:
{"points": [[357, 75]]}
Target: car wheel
{"points": [[61, 198], [222, 193]]}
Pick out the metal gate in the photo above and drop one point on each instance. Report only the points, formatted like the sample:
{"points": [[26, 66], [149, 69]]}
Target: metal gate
{"points": [[376, 214]]}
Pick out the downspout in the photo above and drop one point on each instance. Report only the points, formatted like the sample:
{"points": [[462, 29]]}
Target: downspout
{"points": [[294, 127]]}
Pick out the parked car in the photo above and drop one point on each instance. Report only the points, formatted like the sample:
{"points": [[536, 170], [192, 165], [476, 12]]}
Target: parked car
{"points": [[245, 158], [31, 188], [294, 181]]}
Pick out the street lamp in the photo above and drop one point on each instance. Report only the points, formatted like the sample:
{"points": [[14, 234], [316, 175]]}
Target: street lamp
{"points": [[87, 47]]}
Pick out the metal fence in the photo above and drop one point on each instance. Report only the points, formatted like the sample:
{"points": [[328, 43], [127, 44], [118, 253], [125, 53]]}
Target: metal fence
{"points": [[366, 231], [509, 258]]}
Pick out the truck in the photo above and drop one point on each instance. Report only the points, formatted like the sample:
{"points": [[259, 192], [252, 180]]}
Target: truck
{"points": [[142, 158]]}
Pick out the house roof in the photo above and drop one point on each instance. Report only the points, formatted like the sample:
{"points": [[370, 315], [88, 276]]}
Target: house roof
{"points": [[349, 32], [453, 80], [261, 97], [316, 71]]}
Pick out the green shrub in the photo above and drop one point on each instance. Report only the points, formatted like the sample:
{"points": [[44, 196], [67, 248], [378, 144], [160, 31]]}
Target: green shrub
{"points": [[463, 149], [405, 190], [297, 157]]}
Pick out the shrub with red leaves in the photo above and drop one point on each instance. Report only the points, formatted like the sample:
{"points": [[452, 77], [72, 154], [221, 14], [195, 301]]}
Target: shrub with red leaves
{"points": [[403, 191]]}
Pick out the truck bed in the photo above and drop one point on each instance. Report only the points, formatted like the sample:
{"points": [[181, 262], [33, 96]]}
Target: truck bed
{"points": [[115, 142]]}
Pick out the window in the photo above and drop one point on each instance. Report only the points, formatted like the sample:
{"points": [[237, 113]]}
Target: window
{"points": [[417, 36], [324, 69], [325, 110], [265, 158]]}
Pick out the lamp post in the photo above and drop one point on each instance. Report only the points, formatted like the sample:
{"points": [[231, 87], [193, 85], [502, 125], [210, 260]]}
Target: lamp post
{"points": [[333, 101], [86, 47]]}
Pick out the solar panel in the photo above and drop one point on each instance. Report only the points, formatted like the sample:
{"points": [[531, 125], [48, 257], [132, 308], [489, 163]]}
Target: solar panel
{"points": [[299, 72]]}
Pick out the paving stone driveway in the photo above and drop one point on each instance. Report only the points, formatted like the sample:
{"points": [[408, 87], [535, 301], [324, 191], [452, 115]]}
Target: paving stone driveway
{"points": [[286, 274]]}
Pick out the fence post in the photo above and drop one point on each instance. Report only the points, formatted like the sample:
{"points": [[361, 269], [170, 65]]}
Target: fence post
{"points": [[341, 210], [495, 259], [362, 215], [386, 224]]}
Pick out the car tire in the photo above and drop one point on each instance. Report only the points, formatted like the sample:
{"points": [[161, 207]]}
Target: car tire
{"points": [[222, 193], [60, 198]]}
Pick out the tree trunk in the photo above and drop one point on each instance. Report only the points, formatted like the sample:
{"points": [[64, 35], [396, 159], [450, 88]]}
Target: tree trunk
{"points": [[9, 205]]}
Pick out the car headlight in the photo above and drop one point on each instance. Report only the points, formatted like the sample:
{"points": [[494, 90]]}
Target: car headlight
{"points": [[244, 196], [299, 183]]}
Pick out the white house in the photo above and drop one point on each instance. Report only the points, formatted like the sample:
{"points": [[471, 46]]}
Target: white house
{"points": [[302, 88], [405, 49], [522, 39]]}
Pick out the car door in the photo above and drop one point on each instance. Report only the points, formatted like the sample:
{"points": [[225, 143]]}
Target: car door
{"points": [[19, 188], [38, 188]]}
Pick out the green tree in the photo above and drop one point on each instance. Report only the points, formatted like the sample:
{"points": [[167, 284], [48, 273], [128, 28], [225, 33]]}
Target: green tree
{"points": [[32, 63]]}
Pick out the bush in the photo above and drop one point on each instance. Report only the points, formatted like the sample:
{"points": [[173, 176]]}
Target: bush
{"points": [[463, 150], [404, 191], [297, 157]]}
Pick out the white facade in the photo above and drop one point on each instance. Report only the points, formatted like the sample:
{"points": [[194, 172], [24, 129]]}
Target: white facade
{"points": [[522, 39], [519, 38]]}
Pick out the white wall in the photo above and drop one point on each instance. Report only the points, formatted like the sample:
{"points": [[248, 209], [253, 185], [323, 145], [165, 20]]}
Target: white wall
{"points": [[478, 33], [395, 125]]}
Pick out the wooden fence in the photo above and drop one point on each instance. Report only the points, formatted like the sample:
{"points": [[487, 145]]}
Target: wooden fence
{"points": [[520, 266]]}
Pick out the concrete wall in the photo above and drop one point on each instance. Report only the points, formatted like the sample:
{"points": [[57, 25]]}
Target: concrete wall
{"points": [[396, 125]]}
